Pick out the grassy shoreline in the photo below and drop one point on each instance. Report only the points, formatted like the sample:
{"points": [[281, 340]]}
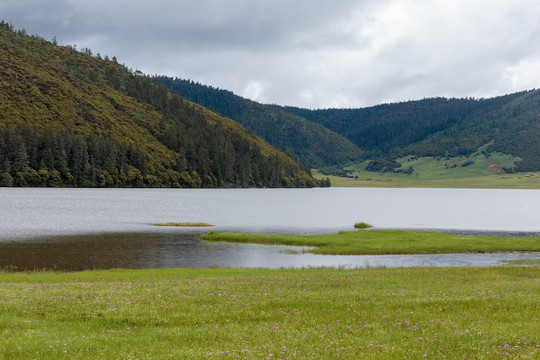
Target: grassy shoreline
{"points": [[434, 313], [379, 242], [474, 171]]}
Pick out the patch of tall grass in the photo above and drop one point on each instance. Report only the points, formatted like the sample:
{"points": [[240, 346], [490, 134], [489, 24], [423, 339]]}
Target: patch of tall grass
{"points": [[362, 225]]}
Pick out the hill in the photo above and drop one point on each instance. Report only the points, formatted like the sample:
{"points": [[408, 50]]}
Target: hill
{"points": [[69, 118], [433, 127], [441, 127], [313, 144]]}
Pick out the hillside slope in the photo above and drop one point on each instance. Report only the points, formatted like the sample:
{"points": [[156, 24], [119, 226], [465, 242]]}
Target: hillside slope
{"points": [[507, 124], [68, 118], [435, 127], [312, 143]]}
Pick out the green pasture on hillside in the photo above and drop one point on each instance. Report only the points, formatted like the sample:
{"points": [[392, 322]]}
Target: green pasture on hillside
{"points": [[475, 171]]}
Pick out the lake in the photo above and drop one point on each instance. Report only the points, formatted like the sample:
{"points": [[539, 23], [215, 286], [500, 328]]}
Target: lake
{"points": [[103, 228]]}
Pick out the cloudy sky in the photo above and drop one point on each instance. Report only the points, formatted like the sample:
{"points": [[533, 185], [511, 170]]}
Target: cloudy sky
{"points": [[308, 53]]}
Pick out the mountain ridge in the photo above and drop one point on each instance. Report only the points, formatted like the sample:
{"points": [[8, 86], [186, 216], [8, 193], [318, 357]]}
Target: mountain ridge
{"points": [[508, 124]]}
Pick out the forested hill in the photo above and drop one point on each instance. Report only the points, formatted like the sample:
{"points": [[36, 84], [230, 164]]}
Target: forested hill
{"points": [[508, 124], [71, 118], [312, 143]]}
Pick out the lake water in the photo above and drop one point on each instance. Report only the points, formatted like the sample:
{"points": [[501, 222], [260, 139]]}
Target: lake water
{"points": [[103, 228]]}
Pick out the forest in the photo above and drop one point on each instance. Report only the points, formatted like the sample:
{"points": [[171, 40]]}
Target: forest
{"points": [[508, 124], [312, 144], [72, 118]]}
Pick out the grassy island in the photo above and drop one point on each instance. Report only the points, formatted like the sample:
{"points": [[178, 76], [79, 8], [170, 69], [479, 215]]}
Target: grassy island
{"points": [[417, 313], [185, 224], [378, 242]]}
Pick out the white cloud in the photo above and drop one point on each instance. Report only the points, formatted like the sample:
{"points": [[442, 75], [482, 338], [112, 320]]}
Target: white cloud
{"points": [[254, 91], [525, 74]]}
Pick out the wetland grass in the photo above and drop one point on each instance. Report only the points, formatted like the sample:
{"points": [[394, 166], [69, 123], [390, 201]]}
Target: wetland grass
{"points": [[417, 313], [380, 242]]}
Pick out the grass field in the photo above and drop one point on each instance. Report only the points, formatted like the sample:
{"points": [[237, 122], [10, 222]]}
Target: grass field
{"points": [[378, 242], [479, 172], [417, 313]]}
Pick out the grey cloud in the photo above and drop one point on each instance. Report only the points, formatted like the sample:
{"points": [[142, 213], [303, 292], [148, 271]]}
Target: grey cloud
{"points": [[193, 24], [313, 53]]}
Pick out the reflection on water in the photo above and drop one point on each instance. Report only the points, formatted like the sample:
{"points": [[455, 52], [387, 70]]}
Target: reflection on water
{"points": [[184, 249]]}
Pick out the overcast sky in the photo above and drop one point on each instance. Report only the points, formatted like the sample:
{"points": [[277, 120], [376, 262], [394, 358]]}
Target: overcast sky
{"points": [[308, 53]]}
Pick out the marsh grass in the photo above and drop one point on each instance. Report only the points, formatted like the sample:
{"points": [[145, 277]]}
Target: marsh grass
{"points": [[417, 313], [362, 225], [378, 242], [185, 224]]}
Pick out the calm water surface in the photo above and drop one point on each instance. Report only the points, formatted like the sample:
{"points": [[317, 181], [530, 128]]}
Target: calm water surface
{"points": [[105, 228]]}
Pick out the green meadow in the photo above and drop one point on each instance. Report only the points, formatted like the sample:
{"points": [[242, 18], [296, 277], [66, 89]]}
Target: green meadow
{"points": [[475, 171], [379, 242], [412, 313]]}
